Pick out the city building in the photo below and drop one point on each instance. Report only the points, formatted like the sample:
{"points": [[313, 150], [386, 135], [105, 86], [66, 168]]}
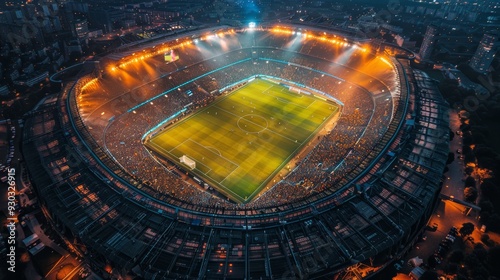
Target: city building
{"points": [[81, 28], [352, 217], [105, 19], [485, 53], [32, 79], [428, 42]]}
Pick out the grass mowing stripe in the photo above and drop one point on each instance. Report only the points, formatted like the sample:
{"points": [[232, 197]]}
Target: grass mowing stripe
{"points": [[285, 137], [256, 130]]}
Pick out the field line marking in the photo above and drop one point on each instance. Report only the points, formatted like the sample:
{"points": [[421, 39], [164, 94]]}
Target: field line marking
{"points": [[220, 183], [287, 160], [288, 102], [159, 147], [209, 169], [310, 104], [172, 156], [269, 91], [221, 156], [256, 124], [174, 148], [282, 87], [283, 100], [272, 131], [210, 147], [228, 175], [270, 87]]}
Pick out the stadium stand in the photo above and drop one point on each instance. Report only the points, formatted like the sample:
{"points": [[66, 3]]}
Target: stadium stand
{"points": [[368, 202]]}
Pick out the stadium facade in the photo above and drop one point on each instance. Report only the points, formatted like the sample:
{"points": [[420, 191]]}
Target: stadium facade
{"points": [[354, 203]]}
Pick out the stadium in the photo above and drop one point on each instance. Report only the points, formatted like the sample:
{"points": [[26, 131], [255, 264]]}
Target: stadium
{"points": [[269, 152]]}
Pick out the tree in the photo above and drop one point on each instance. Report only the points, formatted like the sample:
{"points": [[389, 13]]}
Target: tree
{"points": [[451, 157], [456, 256], [486, 205], [484, 238], [479, 250], [479, 137], [466, 229], [431, 261], [487, 208], [467, 139], [466, 149], [468, 170], [493, 222], [486, 156], [469, 157], [479, 273], [494, 260], [470, 194], [484, 150], [451, 268], [470, 182], [471, 260], [429, 275], [490, 190]]}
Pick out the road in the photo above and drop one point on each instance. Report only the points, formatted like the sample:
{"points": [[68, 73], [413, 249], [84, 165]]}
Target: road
{"points": [[448, 213], [30, 272], [455, 177]]}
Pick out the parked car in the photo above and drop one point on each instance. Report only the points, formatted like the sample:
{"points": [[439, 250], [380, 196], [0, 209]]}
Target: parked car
{"points": [[437, 258], [441, 252], [451, 238], [432, 227], [444, 248], [445, 245], [446, 241]]}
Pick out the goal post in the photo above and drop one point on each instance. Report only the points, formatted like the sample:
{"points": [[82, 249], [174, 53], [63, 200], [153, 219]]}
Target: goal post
{"points": [[294, 89], [298, 90], [188, 161]]}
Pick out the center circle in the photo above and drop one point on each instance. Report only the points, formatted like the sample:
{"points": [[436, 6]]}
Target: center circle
{"points": [[252, 123]]}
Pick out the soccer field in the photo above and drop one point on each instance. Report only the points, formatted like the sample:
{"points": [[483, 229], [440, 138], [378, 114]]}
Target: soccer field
{"points": [[242, 140]]}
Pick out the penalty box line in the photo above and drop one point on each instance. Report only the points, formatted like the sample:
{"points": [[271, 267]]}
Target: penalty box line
{"points": [[268, 92], [220, 183], [217, 155], [175, 148], [190, 156], [289, 102]]}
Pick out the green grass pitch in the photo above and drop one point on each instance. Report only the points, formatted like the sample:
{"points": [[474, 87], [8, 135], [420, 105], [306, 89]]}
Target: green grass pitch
{"points": [[242, 140]]}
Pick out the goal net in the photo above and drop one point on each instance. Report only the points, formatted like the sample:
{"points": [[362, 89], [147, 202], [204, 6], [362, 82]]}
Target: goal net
{"points": [[298, 90], [187, 161], [294, 89]]}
